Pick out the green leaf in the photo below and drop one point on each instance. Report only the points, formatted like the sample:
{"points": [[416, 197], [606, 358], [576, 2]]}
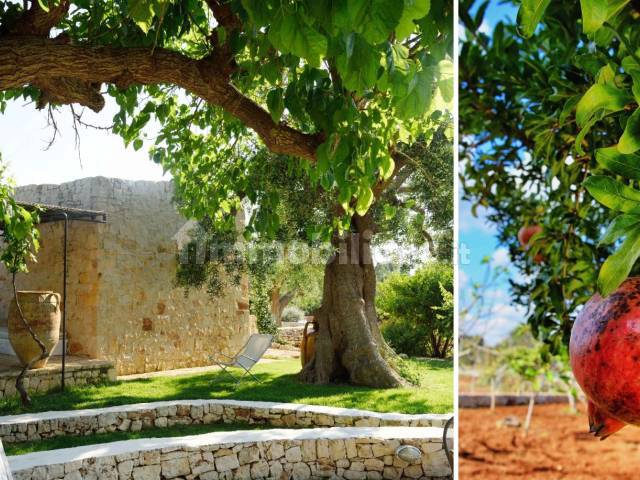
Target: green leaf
{"points": [[141, 12], [275, 103], [375, 20], [619, 227], [612, 193], [389, 211], [568, 107], [419, 94], [626, 165], [617, 267], [630, 140], [44, 5], [445, 79], [413, 10], [290, 34], [584, 131], [594, 14], [365, 199], [258, 11], [530, 14], [387, 166], [358, 65], [600, 98], [137, 144]]}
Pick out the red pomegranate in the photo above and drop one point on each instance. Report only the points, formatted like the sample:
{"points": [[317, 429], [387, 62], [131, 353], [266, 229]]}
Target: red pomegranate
{"points": [[526, 232], [605, 358], [524, 236]]}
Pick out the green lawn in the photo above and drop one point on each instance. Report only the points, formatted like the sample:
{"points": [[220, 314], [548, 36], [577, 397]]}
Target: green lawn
{"points": [[175, 431], [435, 394]]}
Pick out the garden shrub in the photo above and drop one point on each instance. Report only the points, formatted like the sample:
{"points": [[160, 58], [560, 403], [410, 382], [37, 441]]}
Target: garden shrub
{"points": [[417, 310], [292, 314]]}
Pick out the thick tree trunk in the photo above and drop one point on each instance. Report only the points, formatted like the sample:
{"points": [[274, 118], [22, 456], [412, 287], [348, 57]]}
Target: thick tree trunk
{"points": [[349, 345]]}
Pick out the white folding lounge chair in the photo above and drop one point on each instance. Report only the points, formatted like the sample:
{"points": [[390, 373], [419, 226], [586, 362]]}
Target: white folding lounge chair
{"points": [[5, 471], [247, 357]]}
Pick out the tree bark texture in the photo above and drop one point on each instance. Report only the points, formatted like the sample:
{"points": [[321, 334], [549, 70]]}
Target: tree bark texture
{"points": [[69, 73], [349, 344]]}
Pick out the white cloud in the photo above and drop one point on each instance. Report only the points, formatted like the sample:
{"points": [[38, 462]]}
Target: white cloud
{"points": [[502, 319], [501, 257], [468, 223], [463, 279]]}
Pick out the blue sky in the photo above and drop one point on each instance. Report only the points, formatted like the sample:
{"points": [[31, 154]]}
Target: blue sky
{"points": [[478, 236]]}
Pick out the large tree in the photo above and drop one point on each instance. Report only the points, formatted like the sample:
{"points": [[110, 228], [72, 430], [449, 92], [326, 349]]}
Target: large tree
{"points": [[549, 120], [332, 87]]}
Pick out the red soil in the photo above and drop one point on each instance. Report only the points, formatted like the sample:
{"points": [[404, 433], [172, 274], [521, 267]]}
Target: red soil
{"points": [[558, 446]]}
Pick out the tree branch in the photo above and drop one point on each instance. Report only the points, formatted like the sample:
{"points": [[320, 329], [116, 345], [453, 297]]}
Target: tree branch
{"points": [[36, 21], [37, 61]]}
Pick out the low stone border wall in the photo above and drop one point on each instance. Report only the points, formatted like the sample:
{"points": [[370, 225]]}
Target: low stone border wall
{"points": [[42, 380], [483, 400], [135, 417], [353, 453], [291, 335]]}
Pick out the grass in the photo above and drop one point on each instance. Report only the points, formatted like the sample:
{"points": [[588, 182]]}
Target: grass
{"points": [[279, 384], [175, 431]]}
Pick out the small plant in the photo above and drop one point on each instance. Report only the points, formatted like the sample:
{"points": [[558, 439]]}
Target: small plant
{"points": [[21, 242], [292, 314]]}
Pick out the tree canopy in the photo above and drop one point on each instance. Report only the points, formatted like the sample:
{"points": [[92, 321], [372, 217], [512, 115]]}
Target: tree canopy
{"points": [[331, 86], [548, 115]]}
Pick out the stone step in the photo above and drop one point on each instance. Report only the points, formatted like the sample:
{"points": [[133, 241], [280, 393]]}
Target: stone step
{"points": [[133, 417], [349, 452]]}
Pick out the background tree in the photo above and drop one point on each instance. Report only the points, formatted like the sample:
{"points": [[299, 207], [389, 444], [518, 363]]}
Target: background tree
{"points": [[547, 113], [417, 310]]}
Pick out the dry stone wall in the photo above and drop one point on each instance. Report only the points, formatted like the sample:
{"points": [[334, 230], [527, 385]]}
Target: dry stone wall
{"points": [[135, 417], [291, 335], [48, 378], [349, 453], [122, 302]]}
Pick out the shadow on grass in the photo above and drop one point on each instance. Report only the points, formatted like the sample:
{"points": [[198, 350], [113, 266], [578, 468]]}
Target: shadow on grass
{"points": [[279, 383]]}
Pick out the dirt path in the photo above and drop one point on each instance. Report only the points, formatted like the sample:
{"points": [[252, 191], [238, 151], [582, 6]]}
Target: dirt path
{"points": [[558, 447]]}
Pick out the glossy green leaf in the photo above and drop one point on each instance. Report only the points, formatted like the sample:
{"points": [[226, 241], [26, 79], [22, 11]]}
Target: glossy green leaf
{"points": [[619, 227], [594, 14], [275, 103], [530, 14], [630, 140], [613, 193], [600, 99], [617, 267], [613, 160]]}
